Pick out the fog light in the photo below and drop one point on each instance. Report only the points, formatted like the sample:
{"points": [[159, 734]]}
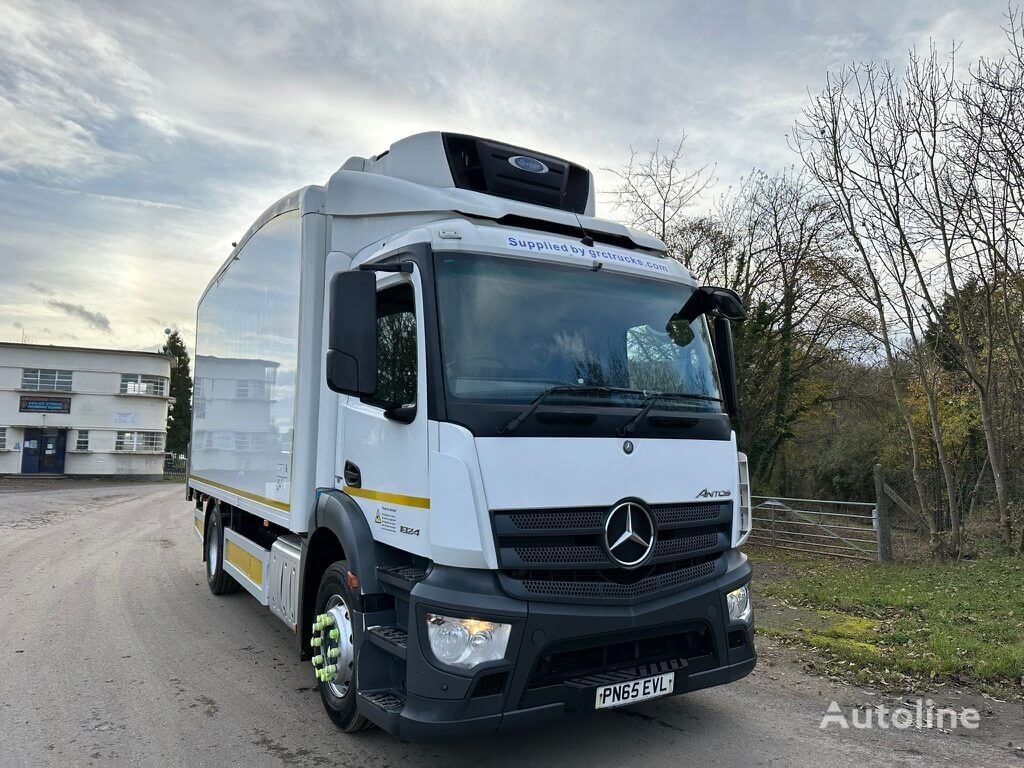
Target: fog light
{"points": [[739, 604], [466, 643]]}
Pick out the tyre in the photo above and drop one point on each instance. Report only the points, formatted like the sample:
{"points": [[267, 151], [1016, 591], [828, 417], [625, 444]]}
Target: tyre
{"points": [[220, 583], [334, 646]]}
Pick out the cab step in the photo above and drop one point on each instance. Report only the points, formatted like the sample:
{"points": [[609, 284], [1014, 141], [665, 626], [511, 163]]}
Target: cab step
{"points": [[384, 699], [404, 577], [391, 639]]}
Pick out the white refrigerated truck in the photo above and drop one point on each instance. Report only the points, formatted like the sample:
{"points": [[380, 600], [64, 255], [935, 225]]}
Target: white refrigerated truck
{"points": [[472, 445]]}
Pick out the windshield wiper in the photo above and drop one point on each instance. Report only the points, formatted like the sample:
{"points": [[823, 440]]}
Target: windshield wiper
{"points": [[555, 390], [650, 401]]}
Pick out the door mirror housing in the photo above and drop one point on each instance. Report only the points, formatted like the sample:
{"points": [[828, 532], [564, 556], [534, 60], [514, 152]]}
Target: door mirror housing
{"points": [[404, 414], [716, 302], [352, 334], [726, 357]]}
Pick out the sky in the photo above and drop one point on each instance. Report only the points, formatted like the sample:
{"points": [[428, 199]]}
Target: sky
{"points": [[138, 140]]}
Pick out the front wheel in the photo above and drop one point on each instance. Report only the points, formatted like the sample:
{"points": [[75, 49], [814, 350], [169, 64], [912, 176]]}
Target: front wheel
{"points": [[333, 650]]}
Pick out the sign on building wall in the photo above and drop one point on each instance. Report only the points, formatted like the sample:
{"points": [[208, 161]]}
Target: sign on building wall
{"points": [[33, 404]]}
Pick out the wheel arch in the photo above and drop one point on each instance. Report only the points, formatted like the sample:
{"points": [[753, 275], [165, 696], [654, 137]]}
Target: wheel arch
{"points": [[209, 506], [338, 531]]}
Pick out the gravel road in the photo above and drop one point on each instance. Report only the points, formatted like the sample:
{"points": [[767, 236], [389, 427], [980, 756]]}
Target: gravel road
{"points": [[113, 652]]}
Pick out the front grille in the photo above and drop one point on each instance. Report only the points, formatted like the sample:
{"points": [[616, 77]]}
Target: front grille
{"points": [[610, 590], [557, 519], [558, 554], [576, 659]]}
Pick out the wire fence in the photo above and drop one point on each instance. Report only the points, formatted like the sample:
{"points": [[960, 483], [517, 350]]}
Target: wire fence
{"points": [[174, 467]]}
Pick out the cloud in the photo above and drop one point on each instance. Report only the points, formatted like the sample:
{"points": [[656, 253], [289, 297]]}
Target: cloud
{"points": [[135, 144], [96, 320], [40, 288]]}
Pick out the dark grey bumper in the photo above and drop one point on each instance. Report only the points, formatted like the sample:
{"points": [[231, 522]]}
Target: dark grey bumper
{"points": [[551, 643]]}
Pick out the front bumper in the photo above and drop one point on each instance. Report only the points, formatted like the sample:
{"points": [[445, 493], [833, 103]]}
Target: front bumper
{"points": [[558, 653]]}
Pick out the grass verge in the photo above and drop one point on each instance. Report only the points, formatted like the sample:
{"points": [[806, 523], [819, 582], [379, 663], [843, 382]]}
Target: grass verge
{"points": [[886, 624]]}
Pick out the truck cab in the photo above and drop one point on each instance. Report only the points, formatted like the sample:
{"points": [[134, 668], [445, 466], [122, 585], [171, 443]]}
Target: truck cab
{"points": [[497, 480]]}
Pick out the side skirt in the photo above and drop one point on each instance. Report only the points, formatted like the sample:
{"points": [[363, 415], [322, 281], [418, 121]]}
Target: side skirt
{"points": [[247, 563]]}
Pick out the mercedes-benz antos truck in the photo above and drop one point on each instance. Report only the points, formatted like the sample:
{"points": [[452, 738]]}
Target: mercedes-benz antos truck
{"points": [[472, 445]]}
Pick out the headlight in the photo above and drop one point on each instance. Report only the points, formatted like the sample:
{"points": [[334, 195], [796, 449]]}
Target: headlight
{"points": [[739, 604], [466, 642]]}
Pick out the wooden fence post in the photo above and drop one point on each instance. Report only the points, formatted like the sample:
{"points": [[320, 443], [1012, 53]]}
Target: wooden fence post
{"points": [[883, 533]]}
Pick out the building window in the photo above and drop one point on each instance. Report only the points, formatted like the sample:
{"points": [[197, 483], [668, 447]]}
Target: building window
{"points": [[46, 380], [140, 384], [251, 389], [139, 442], [82, 441], [3, 438]]}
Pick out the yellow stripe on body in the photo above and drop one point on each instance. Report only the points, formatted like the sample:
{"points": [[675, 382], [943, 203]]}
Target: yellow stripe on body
{"points": [[244, 494], [394, 498]]}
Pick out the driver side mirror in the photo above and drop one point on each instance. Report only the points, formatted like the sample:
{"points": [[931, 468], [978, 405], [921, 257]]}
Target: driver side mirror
{"points": [[722, 305], [717, 302], [352, 334], [726, 356]]}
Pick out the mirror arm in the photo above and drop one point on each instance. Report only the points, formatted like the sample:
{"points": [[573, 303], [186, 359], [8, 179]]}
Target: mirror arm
{"points": [[405, 267], [404, 414], [707, 300]]}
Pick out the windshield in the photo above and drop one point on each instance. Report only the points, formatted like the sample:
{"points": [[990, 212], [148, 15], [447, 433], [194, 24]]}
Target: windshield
{"points": [[512, 329]]}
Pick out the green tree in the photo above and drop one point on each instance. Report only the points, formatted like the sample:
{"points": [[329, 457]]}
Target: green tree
{"points": [[179, 416]]}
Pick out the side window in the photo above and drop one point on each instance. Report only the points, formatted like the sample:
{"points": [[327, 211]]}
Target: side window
{"points": [[396, 347]]}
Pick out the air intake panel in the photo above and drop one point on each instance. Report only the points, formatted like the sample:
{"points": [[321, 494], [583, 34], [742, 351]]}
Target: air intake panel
{"points": [[516, 173]]}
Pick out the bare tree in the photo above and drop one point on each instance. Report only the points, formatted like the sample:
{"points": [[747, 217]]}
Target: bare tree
{"points": [[655, 188], [898, 156], [849, 140], [993, 131]]}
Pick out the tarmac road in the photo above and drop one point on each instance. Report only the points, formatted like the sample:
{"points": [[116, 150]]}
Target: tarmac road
{"points": [[113, 652]]}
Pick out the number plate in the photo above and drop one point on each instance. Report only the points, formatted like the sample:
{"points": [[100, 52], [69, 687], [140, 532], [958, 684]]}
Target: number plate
{"points": [[633, 691]]}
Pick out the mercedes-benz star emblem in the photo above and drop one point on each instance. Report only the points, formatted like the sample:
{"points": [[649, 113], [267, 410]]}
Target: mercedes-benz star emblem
{"points": [[629, 534]]}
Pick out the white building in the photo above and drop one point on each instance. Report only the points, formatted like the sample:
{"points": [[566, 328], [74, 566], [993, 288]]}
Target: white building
{"points": [[79, 411]]}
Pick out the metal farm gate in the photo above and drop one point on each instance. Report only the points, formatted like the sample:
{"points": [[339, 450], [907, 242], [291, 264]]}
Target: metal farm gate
{"points": [[819, 527]]}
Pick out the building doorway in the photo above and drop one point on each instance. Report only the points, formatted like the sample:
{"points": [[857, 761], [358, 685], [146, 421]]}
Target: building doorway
{"points": [[43, 451]]}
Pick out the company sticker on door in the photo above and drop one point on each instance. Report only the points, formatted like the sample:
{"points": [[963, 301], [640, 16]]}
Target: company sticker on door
{"points": [[386, 518], [536, 244]]}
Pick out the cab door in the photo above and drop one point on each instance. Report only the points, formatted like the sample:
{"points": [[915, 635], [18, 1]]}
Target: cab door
{"points": [[383, 460]]}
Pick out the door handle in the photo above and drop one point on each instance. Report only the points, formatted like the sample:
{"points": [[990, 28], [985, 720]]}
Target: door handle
{"points": [[353, 477]]}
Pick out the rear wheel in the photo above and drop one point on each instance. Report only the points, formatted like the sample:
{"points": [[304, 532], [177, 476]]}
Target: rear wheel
{"points": [[333, 650], [219, 581]]}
